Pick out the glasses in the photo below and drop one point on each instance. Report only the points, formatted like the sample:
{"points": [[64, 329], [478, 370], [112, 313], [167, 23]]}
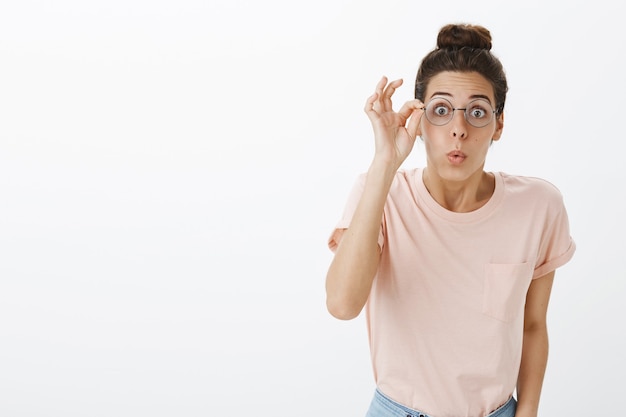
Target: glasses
{"points": [[478, 113]]}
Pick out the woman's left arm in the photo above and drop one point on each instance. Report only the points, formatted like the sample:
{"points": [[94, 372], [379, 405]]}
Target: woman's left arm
{"points": [[535, 346]]}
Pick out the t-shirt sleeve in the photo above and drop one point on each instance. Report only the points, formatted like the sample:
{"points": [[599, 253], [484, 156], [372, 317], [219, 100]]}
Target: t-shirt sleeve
{"points": [[349, 209], [557, 246]]}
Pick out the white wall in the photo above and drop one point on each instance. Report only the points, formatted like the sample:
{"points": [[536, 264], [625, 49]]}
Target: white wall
{"points": [[170, 171]]}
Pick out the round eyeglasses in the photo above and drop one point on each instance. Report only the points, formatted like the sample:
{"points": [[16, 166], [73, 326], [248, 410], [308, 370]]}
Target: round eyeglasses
{"points": [[478, 113]]}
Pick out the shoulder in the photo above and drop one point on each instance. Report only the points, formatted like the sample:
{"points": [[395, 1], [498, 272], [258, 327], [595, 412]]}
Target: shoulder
{"points": [[530, 186], [402, 188], [405, 177], [528, 191], [404, 185]]}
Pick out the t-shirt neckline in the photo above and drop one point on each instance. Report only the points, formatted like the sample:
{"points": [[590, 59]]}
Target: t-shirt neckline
{"points": [[468, 217]]}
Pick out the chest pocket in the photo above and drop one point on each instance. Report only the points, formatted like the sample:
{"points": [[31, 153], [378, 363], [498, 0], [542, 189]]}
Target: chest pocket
{"points": [[505, 287]]}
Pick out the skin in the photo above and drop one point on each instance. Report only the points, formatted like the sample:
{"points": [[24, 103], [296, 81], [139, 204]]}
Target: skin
{"points": [[460, 187], [465, 186]]}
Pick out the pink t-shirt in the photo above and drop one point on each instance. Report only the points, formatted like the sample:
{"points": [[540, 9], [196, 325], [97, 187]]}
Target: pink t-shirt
{"points": [[446, 311]]}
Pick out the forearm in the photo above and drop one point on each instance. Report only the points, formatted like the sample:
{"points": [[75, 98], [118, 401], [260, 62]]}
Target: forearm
{"points": [[532, 370], [350, 275]]}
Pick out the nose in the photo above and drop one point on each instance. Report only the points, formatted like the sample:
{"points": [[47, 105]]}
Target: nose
{"points": [[458, 125]]}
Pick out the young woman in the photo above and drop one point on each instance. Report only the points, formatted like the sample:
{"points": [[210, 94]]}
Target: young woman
{"points": [[453, 265]]}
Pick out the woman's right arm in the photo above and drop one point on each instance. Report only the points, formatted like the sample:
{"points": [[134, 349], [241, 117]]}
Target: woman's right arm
{"points": [[354, 265], [353, 268]]}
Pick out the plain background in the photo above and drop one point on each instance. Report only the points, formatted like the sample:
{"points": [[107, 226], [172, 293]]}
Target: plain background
{"points": [[170, 172]]}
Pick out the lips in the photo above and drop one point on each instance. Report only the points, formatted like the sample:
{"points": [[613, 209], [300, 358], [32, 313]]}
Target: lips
{"points": [[456, 157]]}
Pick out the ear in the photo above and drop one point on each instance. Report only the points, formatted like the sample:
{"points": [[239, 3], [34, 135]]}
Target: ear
{"points": [[499, 127]]}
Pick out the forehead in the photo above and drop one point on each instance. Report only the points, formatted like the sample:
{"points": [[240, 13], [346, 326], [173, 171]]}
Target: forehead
{"points": [[460, 86]]}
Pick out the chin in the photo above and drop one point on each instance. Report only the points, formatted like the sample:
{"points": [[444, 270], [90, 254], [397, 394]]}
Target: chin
{"points": [[458, 173]]}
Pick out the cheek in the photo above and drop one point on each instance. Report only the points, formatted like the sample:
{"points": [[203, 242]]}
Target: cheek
{"points": [[428, 132], [485, 136]]}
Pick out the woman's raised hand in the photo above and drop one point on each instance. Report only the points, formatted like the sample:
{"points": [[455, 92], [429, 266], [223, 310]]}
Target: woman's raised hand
{"points": [[394, 132]]}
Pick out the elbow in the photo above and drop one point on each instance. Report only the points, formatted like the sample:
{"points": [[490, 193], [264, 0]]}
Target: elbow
{"points": [[342, 310], [347, 291]]}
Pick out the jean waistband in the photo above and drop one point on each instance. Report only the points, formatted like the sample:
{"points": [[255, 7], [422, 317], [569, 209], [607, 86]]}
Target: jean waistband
{"points": [[505, 410]]}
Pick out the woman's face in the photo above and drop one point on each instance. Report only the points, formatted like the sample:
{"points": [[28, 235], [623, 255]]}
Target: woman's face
{"points": [[456, 150]]}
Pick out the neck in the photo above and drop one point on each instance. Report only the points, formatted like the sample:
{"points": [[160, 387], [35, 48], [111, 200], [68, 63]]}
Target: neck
{"points": [[460, 196]]}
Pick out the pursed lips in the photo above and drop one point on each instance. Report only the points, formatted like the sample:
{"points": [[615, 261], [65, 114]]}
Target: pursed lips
{"points": [[456, 157]]}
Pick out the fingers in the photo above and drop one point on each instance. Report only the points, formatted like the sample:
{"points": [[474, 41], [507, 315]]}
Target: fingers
{"points": [[409, 107], [388, 92], [381, 85], [369, 107], [380, 101], [413, 110], [414, 128], [385, 90]]}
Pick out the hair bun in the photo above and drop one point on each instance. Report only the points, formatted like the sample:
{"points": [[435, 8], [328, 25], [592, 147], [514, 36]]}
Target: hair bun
{"points": [[460, 35]]}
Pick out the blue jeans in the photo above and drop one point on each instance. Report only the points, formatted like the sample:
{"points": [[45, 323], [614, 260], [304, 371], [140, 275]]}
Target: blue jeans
{"points": [[383, 406]]}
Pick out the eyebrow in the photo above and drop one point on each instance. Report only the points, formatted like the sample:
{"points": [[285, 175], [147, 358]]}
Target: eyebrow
{"points": [[473, 96]]}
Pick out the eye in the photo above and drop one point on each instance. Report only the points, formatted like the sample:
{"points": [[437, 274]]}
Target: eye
{"points": [[440, 108], [479, 109], [439, 111], [477, 112]]}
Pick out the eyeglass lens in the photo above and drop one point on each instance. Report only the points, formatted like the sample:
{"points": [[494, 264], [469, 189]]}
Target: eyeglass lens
{"points": [[439, 111]]}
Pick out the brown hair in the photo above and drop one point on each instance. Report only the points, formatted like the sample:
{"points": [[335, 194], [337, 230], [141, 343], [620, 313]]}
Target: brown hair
{"points": [[463, 48]]}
